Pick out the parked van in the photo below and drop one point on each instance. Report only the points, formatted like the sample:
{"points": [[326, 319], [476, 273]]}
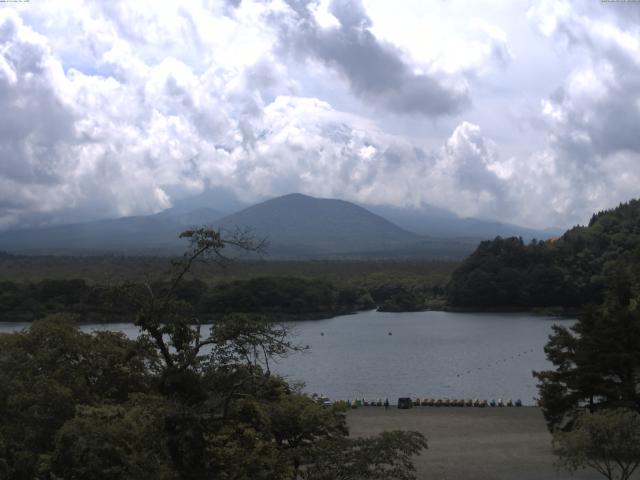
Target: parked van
{"points": [[405, 402]]}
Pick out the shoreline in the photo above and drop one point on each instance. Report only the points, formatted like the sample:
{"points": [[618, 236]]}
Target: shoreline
{"points": [[309, 317]]}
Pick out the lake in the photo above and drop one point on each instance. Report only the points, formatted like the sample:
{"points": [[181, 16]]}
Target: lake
{"points": [[419, 354]]}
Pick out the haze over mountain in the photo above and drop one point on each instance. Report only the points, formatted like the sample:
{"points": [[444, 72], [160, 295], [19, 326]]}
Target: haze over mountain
{"points": [[295, 225], [134, 235], [299, 225], [221, 199], [441, 223]]}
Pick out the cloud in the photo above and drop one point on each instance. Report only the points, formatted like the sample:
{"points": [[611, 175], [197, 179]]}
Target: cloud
{"points": [[375, 70], [130, 129], [305, 145], [35, 120], [80, 145], [592, 118], [121, 108]]}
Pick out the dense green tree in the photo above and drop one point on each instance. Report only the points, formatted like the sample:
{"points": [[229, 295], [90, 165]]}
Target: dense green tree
{"points": [[597, 360], [567, 272], [177, 402], [389, 455], [606, 441], [4, 464], [278, 295], [49, 370], [114, 442]]}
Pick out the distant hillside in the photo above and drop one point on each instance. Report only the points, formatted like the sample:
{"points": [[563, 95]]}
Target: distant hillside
{"points": [[441, 223], [569, 272], [184, 217], [141, 234], [298, 225]]}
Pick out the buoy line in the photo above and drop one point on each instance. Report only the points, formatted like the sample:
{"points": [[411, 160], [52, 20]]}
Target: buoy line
{"points": [[502, 360]]}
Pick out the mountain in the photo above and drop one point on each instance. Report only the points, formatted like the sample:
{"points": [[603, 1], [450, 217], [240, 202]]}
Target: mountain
{"points": [[441, 223], [298, 225], [186, 217], [138, 234]]}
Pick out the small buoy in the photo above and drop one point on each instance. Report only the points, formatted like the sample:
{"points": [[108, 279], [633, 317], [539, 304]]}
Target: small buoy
{"points": [[389, 333], [322, 334]]}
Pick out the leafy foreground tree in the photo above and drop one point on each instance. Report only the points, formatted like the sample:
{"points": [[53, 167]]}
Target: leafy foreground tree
{"points": [[176, 403], [607, 441], [591, 401], [597, 360]]}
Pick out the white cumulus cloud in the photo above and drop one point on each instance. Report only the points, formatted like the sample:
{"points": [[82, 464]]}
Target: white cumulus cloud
{"points": [[118, 108]]}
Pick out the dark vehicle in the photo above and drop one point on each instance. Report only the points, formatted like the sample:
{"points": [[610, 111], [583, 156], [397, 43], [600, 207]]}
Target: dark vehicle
{"points": [[405, 402]]}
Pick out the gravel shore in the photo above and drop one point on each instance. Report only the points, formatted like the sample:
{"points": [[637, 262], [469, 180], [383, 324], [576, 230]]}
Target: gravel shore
{"points": [[472, 443]]}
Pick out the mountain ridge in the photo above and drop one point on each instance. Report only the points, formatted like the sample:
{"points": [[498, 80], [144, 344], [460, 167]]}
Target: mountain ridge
{"points": [[317, 226], [298, 226], [441, 223]]}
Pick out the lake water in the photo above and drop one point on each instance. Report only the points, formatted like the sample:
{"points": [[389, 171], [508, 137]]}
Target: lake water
{"points": [[423, 354]]}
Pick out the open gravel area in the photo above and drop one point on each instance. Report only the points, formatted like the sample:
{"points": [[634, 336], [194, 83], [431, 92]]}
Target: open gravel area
{"points": [[472, 443]]}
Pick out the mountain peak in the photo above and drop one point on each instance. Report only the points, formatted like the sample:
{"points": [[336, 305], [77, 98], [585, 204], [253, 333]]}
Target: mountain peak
{"points": [[294, 195], [296, 225], [306, 199], [296, 222]]}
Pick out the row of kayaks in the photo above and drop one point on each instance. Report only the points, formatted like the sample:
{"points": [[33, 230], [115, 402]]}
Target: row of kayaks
{"points": [[437, 402], [406, 402], [455, 402]]}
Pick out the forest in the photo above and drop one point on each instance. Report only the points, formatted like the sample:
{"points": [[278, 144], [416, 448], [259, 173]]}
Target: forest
{"points": [[568, 272], [178, 402], [280, 290]]}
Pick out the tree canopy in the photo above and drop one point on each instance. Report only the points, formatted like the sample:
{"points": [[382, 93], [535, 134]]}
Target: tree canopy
{"points": [[607, 441], [177, 402], [568, 272], [597, 360]]}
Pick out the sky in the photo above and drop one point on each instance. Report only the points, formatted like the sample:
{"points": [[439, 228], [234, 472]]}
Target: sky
{"points": [[521, 111]]}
